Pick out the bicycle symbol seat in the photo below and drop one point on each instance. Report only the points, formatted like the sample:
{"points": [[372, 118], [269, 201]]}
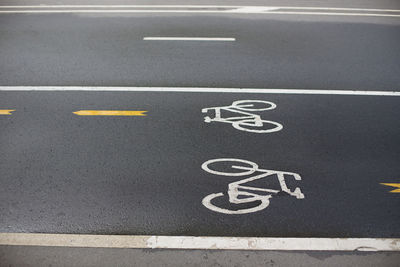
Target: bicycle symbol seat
{"points": [[240, 193], [245, 120]]}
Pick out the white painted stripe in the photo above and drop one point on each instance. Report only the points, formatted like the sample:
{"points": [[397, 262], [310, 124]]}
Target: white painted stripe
{"points": [[200, 90], [206, 242], [340, 9], [122, 6], [254, 9], [189, 39], [280, 10], [327, 14], [199, 6], [193, 11]]}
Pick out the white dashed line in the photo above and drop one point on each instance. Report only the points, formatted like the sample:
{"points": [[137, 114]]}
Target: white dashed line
{"points": [[189, 39]]}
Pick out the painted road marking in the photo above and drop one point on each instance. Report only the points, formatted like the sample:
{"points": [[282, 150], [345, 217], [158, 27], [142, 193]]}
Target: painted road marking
{"points": [[254, 9], [197, 6], [241, 192], [205, 242], [246, 121], [6, 111], [215, 39], [285, 10], [193, 11], [199, 90], [393, 185], [110, 112]]}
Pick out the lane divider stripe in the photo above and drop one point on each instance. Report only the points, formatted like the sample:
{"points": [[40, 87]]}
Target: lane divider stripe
{"points": [[200, 90], [201, 6], [189, 39], [196, 11], [110, 112]]}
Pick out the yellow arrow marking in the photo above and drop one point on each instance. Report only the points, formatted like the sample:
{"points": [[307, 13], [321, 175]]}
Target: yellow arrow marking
{"points": [[6, 111], [393, 185], [110, 112]]}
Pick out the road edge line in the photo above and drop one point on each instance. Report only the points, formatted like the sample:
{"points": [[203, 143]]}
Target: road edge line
{"points": [[200, 242]]}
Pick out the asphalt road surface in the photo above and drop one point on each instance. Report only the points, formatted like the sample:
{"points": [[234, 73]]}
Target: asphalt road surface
{"points": [[270, 51], [65, 173], [208, 160]]}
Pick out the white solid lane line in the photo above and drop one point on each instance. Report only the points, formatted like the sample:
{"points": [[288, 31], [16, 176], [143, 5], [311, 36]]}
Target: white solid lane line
{"points": [[325, 11], [201, 90], [193, 11], [189, 39], [326, 14], [202, 6], [205, 242], [121, 6]]}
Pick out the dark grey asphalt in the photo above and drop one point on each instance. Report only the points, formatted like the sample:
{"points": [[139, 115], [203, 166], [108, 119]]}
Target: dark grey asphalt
{"points": [[270, 52], [61, 173]]}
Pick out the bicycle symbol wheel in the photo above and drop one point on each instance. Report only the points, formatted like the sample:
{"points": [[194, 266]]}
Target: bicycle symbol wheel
{"points": [[209, 205], [250, 105], [248, 167], [249, 124]]}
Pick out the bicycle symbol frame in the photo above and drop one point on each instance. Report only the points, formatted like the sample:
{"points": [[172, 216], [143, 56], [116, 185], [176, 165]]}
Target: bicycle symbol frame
{"points": [[246, 121], [238, 193]]}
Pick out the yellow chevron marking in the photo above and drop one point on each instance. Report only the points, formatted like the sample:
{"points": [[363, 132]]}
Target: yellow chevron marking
{"points": [[393, 185], [6, 111]]}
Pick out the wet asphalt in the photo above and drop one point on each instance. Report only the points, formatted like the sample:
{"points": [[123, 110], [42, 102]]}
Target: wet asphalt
{"points": [[63, 173]]}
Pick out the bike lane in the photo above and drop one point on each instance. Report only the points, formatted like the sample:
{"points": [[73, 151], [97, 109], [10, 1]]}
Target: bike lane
{"points": [[66, 173]]}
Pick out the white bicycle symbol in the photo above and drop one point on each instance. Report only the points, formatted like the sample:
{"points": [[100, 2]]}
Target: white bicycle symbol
{"points": [[239, 193], [247, 121]]}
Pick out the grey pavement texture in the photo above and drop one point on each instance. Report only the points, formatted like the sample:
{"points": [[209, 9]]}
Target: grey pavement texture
{"points": [[71, 257], [62, 173], [270, 51]]}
